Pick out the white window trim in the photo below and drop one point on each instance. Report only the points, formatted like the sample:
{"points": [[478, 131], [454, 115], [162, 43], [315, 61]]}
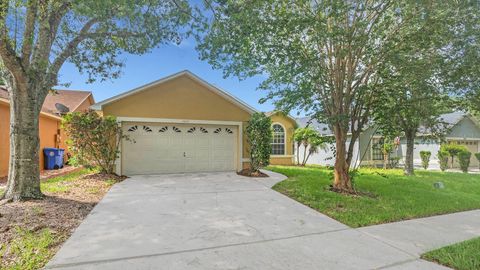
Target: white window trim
{"points": [[284, 142], [239, 150]]}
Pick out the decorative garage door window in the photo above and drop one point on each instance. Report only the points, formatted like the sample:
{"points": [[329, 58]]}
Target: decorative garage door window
{"points": [[278, 140], [132, 128]]}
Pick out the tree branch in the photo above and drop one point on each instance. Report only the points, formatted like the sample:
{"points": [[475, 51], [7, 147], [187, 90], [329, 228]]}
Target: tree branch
{"points": [[28, 35]]}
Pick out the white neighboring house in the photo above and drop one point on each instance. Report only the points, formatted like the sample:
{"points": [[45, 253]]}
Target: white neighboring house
{"points": [[325, 156], [463, 129]]}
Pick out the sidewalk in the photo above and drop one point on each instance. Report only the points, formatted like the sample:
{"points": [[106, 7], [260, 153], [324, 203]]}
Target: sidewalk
{"points": [[418, 236]]}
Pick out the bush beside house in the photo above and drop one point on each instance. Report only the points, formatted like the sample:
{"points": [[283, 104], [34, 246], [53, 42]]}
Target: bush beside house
{"points": [[443, 159], [259, 136], [464, 160], [93, 140]]}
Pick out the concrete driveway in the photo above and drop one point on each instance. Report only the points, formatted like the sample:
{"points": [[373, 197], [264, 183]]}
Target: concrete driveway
{"points": [[218, 221]]}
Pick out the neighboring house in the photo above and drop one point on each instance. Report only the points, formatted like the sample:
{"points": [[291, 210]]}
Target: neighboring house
{"points": [[49, 124], [462, 129], [182, 123]]}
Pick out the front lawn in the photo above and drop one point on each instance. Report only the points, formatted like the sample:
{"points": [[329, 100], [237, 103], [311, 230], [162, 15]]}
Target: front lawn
{"points": [[32, 231], [394, 196], [461, 256]]}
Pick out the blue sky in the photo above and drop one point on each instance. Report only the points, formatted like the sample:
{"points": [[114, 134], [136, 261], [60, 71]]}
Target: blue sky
{"points": [[161, 62]]}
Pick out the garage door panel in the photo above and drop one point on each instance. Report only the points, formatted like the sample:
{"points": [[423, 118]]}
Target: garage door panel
{"points": [[170, 148]]}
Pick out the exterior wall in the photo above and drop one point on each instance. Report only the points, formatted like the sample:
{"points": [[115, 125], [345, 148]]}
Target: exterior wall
{"points": [[465, 132], [289, 126], [326, 156], [181, 98], [48, 136], [421, 144]]}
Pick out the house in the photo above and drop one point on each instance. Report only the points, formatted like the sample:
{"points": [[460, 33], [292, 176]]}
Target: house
{"points": [[50, 120], [182, 123], [461, 128]]}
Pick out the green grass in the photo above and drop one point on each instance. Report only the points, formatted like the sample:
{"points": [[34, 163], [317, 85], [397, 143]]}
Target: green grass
{"points": [[32, 249], [396, 197], [62, 183], [461, 256]]}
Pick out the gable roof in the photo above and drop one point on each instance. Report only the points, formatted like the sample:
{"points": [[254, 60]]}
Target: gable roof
{"points": [[294, 121], [70, 98], [449, 119], [220, 92]]}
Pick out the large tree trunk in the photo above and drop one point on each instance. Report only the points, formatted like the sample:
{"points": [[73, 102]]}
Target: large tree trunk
{"points": [[410, 136], [341, 179], [24, 172]]}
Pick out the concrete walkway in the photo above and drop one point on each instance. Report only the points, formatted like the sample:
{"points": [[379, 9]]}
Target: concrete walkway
{"points": [[225, 221]]}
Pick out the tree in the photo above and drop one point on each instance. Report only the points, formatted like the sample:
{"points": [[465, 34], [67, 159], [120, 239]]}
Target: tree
{"points": [[387, 148], [453, 150], [417, 78], [38, 37], [93, 140], [315, 143], [303, 137], [259, 136], [320, 56]]}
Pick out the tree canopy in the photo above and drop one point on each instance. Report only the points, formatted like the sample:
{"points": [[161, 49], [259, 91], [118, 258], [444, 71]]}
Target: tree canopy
{"points": [[37, 37], [323, 57]]}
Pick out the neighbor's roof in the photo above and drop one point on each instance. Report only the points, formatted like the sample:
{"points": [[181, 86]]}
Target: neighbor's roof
{"points": [[70, 98], [449, 119], [223, 93], [321, 128]]}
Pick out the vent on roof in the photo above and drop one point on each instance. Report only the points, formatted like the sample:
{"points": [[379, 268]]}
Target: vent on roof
{"points": [[62, 109]]}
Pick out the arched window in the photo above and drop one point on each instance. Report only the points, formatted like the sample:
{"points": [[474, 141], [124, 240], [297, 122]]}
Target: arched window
{"points": [[278, 140]]}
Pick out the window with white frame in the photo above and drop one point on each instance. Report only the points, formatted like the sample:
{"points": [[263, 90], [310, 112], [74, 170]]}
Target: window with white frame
{"points": [[278, 140], [377, 149]]}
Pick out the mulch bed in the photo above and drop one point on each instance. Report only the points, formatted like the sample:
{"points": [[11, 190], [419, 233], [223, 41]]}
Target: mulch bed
{"points": [[61, 212], [249, 173]]}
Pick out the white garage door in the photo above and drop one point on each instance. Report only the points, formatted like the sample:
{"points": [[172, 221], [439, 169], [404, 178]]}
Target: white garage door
{"points": [[172, 148]]}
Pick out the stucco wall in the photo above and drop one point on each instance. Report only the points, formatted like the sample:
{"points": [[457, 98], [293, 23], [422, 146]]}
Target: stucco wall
{"points": [[181, 98], [289, 126], [48, 130]]}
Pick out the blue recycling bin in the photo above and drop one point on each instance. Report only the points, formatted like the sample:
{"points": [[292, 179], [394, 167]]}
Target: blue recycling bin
{"points": [[53, 158]]}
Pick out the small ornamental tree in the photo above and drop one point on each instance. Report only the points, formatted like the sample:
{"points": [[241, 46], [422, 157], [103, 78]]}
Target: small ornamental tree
{"points": [[443, 159], [464, 160], [477, 155], [93, 140], [453, 150], [425, 156], [306, 137], [259, 136], [315, 143]]}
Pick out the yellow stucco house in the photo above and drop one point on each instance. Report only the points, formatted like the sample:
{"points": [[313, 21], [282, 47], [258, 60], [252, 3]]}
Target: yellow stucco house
{"points": [[182, 123]]}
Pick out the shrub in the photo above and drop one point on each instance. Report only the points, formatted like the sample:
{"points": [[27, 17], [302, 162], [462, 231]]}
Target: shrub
{"points": [[259, 136], [453, 150], [425, 156], [464, 160], [477, 155], [443, 159], [93, 140]]}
